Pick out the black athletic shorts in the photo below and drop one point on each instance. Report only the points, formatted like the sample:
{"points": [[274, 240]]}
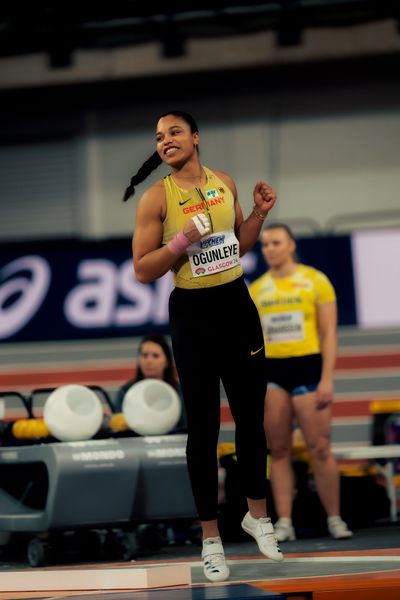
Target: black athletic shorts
{"points": [[297, 375]]}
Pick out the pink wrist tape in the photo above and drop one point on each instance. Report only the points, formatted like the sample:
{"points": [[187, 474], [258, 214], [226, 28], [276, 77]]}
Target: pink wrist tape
{"points": [[178, 244]]}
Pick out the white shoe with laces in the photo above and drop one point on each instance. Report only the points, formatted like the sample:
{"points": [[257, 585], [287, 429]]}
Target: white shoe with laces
{"points": [[214, 564], [262, 531], [338, 528], [284, 530]]}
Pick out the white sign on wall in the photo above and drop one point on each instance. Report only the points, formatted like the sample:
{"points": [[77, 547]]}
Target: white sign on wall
{"points": [[376, 265]]}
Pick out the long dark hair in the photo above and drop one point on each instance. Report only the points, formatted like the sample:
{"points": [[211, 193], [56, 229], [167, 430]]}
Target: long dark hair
{"points": [[155, 160], [169, 376]]}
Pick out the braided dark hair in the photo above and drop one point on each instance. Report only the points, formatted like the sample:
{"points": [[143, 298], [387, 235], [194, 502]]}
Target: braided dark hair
{"points": [[155, 160], [147, 167]]}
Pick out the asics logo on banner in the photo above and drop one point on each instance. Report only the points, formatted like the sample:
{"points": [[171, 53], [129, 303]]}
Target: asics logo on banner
{"points": [[216, 240], [22, 295]]}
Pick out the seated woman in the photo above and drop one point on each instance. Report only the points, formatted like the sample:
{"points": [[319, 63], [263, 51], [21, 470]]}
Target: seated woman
{"points": [[154, 361]]}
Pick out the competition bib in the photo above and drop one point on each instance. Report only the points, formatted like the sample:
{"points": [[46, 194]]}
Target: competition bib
{"points": [[284, 326], [214, 253]]}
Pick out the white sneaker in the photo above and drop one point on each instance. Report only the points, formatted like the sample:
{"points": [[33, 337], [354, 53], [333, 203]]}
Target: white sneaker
{"points": [[262, 531], [214, 565], [284, 530], [338, 528]]}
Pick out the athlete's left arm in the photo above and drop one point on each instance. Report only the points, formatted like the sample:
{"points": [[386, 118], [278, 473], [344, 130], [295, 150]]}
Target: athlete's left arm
{"points": [[248, 230], [327, 325]]}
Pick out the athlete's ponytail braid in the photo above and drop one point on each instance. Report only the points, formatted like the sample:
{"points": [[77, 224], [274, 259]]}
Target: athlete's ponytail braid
{"points": [[147, 167]]}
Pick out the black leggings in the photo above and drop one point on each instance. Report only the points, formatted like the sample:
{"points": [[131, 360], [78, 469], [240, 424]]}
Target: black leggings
{"points": [[217, 336]]}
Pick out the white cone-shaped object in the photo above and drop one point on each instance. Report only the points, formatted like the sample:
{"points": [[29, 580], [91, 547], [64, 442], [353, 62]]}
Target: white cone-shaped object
{"points": [[73, 413], [151, 407]]}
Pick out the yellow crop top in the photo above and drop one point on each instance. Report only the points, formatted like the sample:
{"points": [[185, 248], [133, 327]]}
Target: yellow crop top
{"points": [[213, 260], [288, 310]]}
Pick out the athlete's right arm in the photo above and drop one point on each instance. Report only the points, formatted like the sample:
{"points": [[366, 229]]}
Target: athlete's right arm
{"points": [[150, 259]]}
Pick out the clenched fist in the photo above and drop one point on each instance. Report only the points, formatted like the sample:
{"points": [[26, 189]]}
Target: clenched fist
{"points": [[264, 197]]}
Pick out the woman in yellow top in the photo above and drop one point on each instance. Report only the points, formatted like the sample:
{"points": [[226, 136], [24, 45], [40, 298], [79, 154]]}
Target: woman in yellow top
{"points": [[297, 307], [191, 222]]}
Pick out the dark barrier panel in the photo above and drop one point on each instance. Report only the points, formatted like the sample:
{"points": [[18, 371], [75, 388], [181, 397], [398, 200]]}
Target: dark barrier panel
{"points": [[73, 289], [332, 255]]}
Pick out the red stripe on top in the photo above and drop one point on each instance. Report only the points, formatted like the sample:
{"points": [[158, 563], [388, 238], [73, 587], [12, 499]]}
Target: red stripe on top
{"points": [[341, 408], [119, 372], [79, 376], [368, 361]]}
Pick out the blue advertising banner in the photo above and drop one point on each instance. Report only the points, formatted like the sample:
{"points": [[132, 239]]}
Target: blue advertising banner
{"points": [[71, 289]]}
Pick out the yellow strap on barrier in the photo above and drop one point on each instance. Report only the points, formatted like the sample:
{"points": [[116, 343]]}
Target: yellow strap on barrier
{"points": [[384, 406], [118, 422], [29, 429], [225, 448]]}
